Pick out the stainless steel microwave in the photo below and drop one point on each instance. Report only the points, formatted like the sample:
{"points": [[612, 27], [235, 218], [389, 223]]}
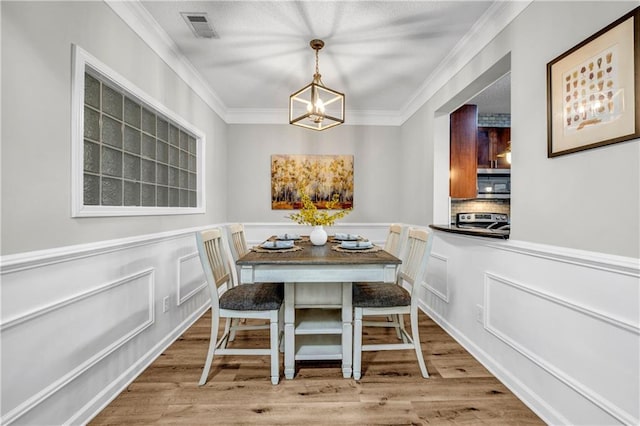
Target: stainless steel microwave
{"points": [[494, 183]]}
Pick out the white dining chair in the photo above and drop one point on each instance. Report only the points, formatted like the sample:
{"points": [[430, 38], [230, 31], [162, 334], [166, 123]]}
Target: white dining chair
{"points": [[380, 299], [393, 244], [395, 238], [239, 245], [231, 301]]}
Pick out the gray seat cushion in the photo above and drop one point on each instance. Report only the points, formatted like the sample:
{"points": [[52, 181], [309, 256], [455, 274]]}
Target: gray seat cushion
{"points": [[253, 297], [379, 295]]}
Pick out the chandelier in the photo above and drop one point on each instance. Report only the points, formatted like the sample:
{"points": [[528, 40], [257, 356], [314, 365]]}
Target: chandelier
{"points": [[315, 106]]}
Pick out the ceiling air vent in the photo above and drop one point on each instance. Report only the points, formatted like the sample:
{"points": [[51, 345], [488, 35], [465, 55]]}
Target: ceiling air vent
{"points": [[199, 24]]}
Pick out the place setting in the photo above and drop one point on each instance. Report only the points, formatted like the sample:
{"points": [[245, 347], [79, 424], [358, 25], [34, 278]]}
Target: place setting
{"points": [[279, 244], [339, 237], [356, 246], [290, 237]]}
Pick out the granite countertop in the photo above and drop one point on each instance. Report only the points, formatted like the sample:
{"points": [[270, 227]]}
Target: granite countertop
{"points": [[474, 232]]}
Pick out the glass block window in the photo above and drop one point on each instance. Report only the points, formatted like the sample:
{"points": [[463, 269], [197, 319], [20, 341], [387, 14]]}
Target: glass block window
{"points": [[136, 158]]}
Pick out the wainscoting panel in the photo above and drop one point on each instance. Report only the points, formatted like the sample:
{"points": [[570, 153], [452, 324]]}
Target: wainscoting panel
{"points": [[190, 277], [79, 323], [559, 327], [436, 277], [83, 340], [559, 336]]}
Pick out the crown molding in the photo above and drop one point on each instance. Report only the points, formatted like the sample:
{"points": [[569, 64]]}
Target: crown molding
{"points": [[142, 23], [494, 20], [281, 116]]}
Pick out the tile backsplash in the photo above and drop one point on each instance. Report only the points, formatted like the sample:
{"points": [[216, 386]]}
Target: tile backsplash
{"points": [[494, 120], [479, 205]]}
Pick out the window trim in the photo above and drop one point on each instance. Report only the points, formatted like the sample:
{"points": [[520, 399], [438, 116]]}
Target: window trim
{"points": [[82, 61]]}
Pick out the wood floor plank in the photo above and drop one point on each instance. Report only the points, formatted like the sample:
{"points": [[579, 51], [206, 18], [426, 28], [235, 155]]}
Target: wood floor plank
{"points": [[509, 411], [463, 365], [285, 414], [391, 391]]}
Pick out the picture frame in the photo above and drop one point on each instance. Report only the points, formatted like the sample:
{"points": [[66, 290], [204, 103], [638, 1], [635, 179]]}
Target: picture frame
{"points": [[593, 90], [321, 177]]}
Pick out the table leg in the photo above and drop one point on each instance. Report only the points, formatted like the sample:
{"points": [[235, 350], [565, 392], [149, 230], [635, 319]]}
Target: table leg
{"points": [[289, 330], [347, 330]]}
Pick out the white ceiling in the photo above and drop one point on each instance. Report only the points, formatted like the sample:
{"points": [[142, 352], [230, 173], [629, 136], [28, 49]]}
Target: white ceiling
{"points": [[379, 53], [496, 98]]}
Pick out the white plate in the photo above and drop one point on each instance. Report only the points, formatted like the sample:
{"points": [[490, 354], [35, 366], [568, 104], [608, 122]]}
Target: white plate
{"points": [[346, 237], [288, 237], [354, 246], [276, 245]]}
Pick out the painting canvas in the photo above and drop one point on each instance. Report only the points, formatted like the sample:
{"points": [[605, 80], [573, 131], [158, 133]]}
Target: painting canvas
{"points": [[319, 176], [593, 90]]}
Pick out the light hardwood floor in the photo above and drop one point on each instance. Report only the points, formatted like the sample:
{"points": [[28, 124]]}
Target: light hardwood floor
{"points": [[391, 390]]}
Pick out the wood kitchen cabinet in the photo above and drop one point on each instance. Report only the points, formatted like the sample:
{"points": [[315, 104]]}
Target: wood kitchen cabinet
{"points": [[463, 156], [493, 141]]}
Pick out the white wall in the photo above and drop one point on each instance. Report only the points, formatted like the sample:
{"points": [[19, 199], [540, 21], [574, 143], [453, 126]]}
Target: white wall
{"points": [[417, 170], [559, 327], [569, 350], [377, 168], [583, 197], [79, 323], [559, 302], [82, 299], [589, 200], [36, 122]]}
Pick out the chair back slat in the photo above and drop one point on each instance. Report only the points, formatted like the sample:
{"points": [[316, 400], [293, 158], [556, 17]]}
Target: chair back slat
{"points": [[238, 240], [416, 254], [215, 262], [223, 280], [238, 246], [394, 239]]}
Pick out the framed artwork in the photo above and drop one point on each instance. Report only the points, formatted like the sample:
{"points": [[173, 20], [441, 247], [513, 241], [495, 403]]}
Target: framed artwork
{"points": [[593, 90], [319, 176]]}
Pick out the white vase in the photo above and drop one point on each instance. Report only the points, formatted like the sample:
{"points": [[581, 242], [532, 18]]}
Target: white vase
{"points": [[318, 236]]}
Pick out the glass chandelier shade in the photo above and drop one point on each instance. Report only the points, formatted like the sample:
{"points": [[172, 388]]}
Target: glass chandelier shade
{"points": [[315, 106]]}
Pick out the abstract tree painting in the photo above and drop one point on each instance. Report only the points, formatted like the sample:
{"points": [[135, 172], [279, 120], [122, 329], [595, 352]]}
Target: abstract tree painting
{"points": [[319, 176]]}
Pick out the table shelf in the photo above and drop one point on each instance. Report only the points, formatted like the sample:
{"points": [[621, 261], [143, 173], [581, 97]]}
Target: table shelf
{"points": [[318, 321], [318, 347]]}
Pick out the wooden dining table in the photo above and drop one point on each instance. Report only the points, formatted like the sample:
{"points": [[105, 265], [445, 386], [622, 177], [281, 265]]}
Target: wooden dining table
{"points": [[317, 295]]}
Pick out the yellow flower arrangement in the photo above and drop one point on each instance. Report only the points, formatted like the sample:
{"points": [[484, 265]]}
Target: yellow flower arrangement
{"points": [[310, 215]]}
